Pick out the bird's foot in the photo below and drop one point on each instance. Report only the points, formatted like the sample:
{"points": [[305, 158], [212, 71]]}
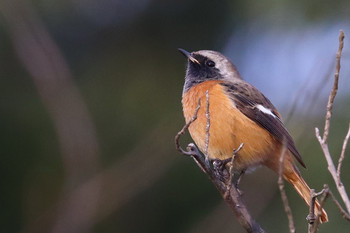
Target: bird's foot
{"points": [[220, 170]]}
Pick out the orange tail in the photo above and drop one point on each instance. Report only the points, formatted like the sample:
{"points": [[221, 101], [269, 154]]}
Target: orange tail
{"points": [[304, 191]]}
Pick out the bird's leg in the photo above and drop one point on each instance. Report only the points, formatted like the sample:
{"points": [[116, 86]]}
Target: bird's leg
{"points": [[225, 173]]}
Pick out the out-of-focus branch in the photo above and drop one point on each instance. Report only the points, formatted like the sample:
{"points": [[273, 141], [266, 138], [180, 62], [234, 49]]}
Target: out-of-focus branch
{"points": [[76, 134], [342, 155], [280, 182], [234, 199], [323, 140]]}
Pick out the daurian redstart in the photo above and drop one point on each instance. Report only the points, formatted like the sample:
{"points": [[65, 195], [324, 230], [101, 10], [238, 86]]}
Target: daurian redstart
{"points": [[239, 113]]}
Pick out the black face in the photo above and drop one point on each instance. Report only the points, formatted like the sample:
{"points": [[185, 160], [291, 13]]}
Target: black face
{"points": [[198, 73], [204, 71]]}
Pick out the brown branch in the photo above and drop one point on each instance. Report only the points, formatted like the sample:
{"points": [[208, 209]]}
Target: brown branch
{"points": [[334, 89], [284, 197], [234, 199], [229, 180], [342, 155], [341, 210]]}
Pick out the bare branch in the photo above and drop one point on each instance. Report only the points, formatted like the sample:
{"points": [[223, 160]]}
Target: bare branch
{"points": [[341, 210], [342, 155], [333, 171], [234, 199], [323, 141], [229, 180], [183, 130], [334, 89], [284, 197]]}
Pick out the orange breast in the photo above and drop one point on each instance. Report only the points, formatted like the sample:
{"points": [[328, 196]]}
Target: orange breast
{"points": [[228, 127]]}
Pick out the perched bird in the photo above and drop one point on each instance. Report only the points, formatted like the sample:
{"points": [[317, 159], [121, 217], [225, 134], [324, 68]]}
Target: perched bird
{"points": [[239, 113]]}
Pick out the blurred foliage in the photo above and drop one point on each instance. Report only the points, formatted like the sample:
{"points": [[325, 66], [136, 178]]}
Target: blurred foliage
{"points": [[123, 58]]}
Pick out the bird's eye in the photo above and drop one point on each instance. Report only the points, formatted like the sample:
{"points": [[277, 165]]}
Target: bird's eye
{"points": [[210, 63]]}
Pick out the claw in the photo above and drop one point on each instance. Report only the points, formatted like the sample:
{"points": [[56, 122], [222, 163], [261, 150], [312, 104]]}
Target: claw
{"points": [[220, 170]]}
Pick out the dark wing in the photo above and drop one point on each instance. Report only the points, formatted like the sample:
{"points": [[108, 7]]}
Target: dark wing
{"points": [[252, 103]]}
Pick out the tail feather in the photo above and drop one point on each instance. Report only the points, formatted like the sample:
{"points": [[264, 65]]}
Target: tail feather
{"points": [[303, 190]]}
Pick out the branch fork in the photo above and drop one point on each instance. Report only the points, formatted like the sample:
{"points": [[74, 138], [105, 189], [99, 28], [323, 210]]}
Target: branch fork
{"points": [[335, 172]]}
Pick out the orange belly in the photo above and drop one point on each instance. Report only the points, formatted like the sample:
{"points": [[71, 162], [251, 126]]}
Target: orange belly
{"points": [[228, 127]]}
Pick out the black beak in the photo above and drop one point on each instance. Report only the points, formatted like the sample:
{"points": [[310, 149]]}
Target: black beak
{"points": [[189, 56]]}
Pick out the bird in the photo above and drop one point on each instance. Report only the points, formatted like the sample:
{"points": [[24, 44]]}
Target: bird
{"points": [[239, 113]]}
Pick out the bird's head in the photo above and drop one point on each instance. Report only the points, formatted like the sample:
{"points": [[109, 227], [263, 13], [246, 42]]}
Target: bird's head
{"points": [[205, 65]]}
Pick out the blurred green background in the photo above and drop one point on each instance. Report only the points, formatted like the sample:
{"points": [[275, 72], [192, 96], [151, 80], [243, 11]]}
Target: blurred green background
{"points": [[90, 102]]}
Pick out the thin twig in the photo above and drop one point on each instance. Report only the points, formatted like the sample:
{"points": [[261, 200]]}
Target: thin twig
{"points": [[333, 171], [207, 128], [334, 89], [342, 155], [284, 197], [183, 130], [341, 210]]}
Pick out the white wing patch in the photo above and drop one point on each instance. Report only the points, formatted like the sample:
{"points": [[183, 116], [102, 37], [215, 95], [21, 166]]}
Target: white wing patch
{"points": [[265, 110]]}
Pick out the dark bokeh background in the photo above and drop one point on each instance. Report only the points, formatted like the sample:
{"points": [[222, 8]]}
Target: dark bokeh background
{"points": [[90, 102]]}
